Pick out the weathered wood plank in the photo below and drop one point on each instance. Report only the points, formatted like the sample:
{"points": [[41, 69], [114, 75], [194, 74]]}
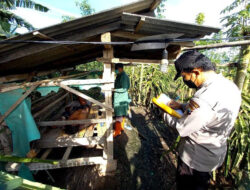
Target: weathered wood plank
{"points": [[139, 25], [89, 131], [45, 37], [62, 164], [70, 142], [84, 96], [49, 106], [69, 122], [127, 35], [128, 61], [154, 4], [46, 153], [81, 82], [67, 153], [42, 82]]}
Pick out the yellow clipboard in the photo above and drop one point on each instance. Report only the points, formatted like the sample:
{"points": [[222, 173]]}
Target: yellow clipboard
{"points": [[166, 108]]}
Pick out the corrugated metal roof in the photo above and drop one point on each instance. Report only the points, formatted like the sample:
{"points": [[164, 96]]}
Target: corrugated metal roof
{"points": [[23, 58], [154, 26]]}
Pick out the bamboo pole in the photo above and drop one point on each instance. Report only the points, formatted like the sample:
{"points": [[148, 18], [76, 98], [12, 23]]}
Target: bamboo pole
{"points": [[218, 45], [140, 84], [243, 66]]}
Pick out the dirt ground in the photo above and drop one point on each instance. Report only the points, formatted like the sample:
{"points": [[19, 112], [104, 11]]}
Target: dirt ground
{"points": [[142, 163]]}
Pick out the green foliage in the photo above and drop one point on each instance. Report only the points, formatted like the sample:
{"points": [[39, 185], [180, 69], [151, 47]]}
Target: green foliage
{"points": [[154, 82], [9, 158], [9, 22], [200, 18], [220, 56], [85, 7], [94, 93], [161, 9], [237, 160], [236, 23], [67, 18], [8, 182], [91, 66]]}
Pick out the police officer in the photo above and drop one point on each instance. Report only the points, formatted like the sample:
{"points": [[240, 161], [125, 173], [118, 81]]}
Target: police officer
{"points": [[207, 123]]}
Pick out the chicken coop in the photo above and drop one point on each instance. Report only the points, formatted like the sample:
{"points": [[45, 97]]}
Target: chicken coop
{"points": [[38, 125]]}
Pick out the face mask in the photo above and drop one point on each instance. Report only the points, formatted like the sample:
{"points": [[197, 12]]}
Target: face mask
{"points": [[189, 83], [116, 71]]}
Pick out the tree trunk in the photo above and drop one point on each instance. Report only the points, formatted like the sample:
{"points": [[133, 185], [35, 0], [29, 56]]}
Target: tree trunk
{"points": [[243, 66], [246, 86]]}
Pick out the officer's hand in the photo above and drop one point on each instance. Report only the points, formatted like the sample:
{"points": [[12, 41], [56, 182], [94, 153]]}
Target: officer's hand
{"points": [[174, 105]]}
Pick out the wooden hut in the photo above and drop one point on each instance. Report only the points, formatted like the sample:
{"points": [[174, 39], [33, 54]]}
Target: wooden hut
{"points": [[23, 61]]}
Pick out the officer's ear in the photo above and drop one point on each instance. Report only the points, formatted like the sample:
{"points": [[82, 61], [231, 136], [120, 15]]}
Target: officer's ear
{"points": [[197, 71]]}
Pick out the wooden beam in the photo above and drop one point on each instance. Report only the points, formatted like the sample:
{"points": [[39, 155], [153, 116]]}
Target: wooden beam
{"points": [[18, 102], [128, 61], [46, 153], [219, 45], [127, 35], [106, 37], [62, 164], [85, 96], [42, 36], [139, 25], [11, 78], [67, 153], [155, 4], [49, 106], [79, 82], [5, 88], [45, 37], [69, 122], [70, 142]]}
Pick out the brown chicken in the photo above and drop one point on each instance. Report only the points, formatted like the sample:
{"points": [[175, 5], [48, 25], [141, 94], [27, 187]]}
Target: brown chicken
{"points": [[79, 114]]}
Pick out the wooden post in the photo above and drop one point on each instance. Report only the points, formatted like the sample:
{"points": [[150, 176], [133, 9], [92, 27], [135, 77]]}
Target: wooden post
{"points": [[108, 73]]}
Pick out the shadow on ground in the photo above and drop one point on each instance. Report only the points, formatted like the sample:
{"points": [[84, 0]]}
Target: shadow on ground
{"points": [[139, 154]]}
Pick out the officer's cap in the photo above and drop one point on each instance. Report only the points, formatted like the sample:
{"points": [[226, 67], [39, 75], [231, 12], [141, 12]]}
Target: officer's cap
{"points": [[190, 60]]}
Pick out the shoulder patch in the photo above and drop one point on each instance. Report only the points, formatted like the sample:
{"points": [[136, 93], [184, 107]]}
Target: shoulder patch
{"points": [[192, 105]]}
